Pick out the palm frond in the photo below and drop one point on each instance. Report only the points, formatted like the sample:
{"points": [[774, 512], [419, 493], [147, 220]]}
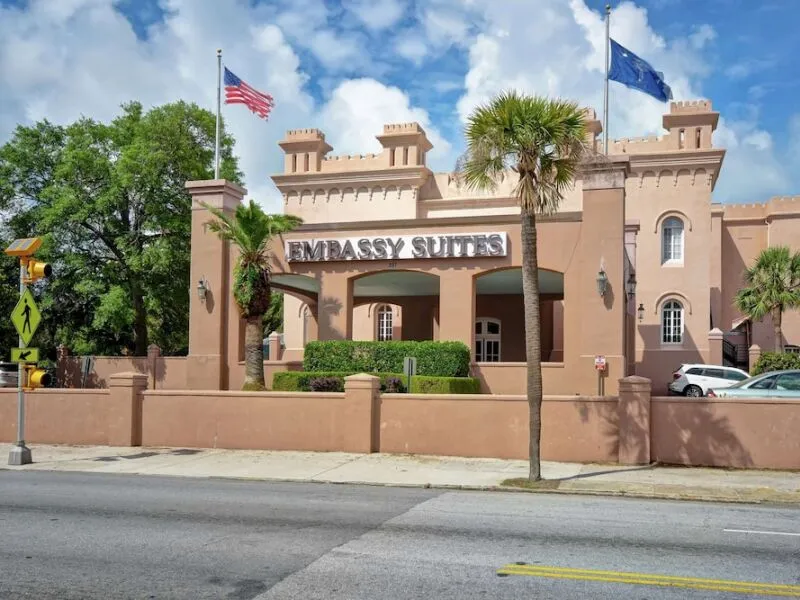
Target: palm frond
{"points": [[540, 139]]}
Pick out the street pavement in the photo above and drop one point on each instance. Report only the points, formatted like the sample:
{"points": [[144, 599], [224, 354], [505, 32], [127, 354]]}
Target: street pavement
{"points": [[650, 481], [72, 535]]}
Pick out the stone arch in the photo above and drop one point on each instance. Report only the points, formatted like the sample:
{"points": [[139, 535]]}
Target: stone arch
{"points": [[672, 213], [670, 295], [335, 195]]}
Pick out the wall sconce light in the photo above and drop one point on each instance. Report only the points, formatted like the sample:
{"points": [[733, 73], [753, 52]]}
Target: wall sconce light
{"points": [[202, 289], [640, 312], [631, 285], [602, 283]]}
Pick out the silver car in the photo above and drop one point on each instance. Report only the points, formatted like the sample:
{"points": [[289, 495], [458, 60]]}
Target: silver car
{"points": [[774, 384], [8, 375]]}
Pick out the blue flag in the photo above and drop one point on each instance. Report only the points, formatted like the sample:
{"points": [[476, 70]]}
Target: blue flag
{"points": [[633, 72]]}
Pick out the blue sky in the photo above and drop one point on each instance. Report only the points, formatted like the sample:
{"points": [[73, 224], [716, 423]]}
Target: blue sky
{"points": [[348, 66]]}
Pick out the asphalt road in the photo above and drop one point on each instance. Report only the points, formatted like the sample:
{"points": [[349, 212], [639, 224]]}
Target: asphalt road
{"points": [[88, 536]]}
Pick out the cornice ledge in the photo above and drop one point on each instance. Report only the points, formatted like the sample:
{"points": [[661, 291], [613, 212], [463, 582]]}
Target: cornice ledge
{"points": [[708, 158], [416, 176]]}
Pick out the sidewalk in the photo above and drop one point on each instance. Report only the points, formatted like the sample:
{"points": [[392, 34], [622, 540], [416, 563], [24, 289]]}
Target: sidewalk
{"points": [[424, 471]]}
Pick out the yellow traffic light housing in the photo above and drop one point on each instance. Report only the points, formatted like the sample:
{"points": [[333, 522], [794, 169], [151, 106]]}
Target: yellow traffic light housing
{"points": [[36, 377], [36, 270]]}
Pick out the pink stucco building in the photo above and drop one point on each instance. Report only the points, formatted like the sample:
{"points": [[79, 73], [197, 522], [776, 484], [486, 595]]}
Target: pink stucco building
{"points": [[392, 250]]}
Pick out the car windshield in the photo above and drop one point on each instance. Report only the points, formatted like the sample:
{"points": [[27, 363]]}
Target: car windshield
{"points": [[745, 382]]}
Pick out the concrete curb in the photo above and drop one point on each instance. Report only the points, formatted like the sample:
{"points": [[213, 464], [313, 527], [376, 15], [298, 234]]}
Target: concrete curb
{"points": [[742, 495]]}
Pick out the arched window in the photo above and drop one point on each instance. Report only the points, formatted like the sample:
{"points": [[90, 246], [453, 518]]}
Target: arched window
{"points": [[672, 240], [672, 322], [385, 323], [487, 340]]}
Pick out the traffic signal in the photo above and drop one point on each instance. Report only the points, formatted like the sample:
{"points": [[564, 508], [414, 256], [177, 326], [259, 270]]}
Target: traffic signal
{"points": [[37, 269], [37, 378]]}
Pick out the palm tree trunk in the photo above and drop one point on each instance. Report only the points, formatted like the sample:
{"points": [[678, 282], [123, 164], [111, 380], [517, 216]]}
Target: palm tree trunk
{"points": [[254, 354], [777, 318], [533, 342]]}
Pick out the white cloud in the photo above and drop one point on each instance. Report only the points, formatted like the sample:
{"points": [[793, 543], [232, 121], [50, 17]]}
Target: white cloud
{"points": [[557, 48], [376, 14], [358, 110], [411, 46], [61, 60]]}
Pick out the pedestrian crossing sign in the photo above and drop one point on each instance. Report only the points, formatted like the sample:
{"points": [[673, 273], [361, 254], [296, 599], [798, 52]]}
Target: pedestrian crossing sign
{"points": [[26, 317]]}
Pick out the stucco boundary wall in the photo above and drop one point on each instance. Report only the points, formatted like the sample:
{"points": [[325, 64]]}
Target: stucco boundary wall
{"points": [[631, 428]]}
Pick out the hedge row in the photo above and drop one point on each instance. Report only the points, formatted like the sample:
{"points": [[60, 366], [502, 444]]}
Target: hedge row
{"points": [[776, 361], [440, 359], [333, 381]]}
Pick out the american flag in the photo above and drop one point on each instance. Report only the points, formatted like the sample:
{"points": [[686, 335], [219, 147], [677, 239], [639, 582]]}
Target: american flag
{"points": [[238, 92]]}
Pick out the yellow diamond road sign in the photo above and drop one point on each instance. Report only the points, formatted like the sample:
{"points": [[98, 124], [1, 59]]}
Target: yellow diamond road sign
{"points": [[25, 355], [26, 317]]}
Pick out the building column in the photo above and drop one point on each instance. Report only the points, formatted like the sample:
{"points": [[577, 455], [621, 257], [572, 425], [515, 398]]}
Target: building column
{"points": [[206, 366], [715, 347], [457, 307], [335, 307], [596, 323]]}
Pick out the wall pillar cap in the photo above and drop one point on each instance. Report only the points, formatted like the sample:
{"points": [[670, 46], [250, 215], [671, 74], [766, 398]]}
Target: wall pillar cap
{"points": [[634, 382], [715, 333], [755, 347], [212, 186], [153, 350], [128, 379], [362, 381], [601, 172], [275, 335]]}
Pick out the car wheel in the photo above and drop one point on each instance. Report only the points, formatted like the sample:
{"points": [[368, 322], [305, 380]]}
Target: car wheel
{"points": [[693, 391]]}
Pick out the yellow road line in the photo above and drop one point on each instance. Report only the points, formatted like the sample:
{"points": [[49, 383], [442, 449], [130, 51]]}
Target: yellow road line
{"points": [[717, 585]]}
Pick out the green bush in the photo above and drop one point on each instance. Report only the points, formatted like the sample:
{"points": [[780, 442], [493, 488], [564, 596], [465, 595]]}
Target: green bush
{"points": [[441, 359], [776, 361], [326, 384], [305, 381], [301, 381], [445, 385]]}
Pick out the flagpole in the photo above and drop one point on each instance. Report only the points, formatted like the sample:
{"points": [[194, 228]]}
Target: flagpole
{"points": [[219, 96], [605, 93]]}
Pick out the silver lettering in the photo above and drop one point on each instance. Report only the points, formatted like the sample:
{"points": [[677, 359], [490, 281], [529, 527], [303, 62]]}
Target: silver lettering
{"points": [[418, 244], [396, 246]]}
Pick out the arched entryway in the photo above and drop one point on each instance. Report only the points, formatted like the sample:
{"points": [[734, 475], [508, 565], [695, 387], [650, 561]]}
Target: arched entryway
{"points": [[500, 316], [395, 305]]}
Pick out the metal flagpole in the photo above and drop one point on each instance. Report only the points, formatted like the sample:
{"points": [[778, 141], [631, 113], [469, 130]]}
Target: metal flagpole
{"points": [[219, 96], [605, 94]]}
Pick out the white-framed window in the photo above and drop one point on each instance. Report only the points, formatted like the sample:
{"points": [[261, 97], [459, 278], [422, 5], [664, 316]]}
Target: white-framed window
{"points": [[385, 323], [672, 240], [672, 322], [487, 340]]}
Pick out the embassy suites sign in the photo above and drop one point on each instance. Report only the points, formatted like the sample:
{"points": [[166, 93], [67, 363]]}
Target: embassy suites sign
{"points": [[400, 247]]}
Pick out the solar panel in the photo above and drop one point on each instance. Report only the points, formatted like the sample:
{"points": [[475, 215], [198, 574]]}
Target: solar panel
{"points": [[24, 246]]}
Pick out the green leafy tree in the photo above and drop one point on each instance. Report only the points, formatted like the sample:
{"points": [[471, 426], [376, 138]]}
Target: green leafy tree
{"points": [[541, 142], [109, 201], [250, 230], [772, 287]]}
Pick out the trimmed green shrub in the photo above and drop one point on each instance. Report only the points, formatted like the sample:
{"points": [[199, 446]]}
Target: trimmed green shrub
{"points": [[445, 385], [300, 381], [442, 359], [304, 381], [776, 361]]}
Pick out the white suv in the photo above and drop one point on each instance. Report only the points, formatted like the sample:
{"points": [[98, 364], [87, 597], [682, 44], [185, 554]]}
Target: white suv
{"points": [[694, 380]]}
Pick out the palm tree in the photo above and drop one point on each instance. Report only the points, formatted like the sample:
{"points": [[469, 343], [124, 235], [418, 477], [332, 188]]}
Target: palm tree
{"points": [[541, 141], [250, 229], [773, 285]]}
